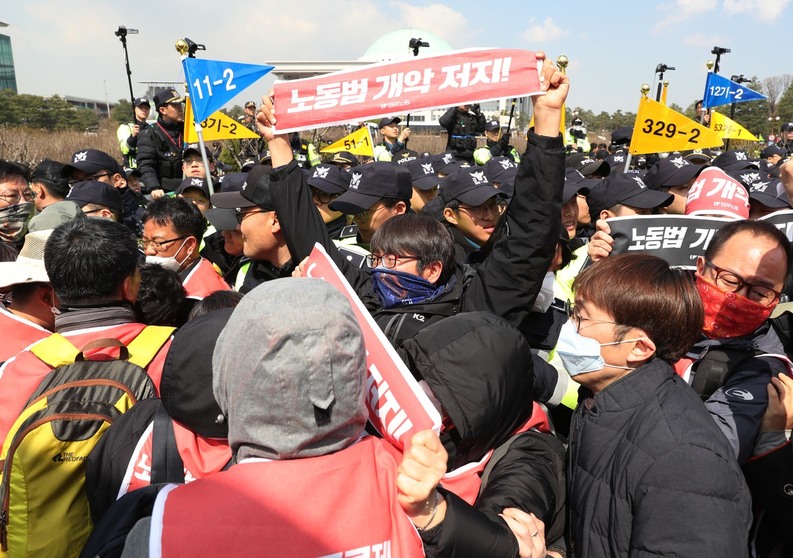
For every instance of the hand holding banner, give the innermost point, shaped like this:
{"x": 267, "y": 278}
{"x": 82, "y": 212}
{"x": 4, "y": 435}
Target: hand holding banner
{"x": 390, "y": 88}
{"x": 213, "y": 83}
{"x": 397, "y": 405}
{"x": 659, "y": 128}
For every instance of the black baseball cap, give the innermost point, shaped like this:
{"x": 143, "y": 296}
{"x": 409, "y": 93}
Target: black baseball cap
{"x": 491, "y": 125}
{"x": 586, "y": 165}
{"x": 254, "y": 191}
{"x": 92, "y": 161}
{"x": 141, "y": 101}
{"x": 372, "y": 182}
{"x": 423, "y": 174}
{"x": 671, "y": 172}
{"x": 622, "y": 136}
{"x": 331, "y": 179}
{"x": 770, "y": 193}
{"x": 627, "y": 189}
{"x": 344, "y": 158}
{"x": 96, "y": 192}
{"x": 193, "y": 182}
{"x": 386, "y": 121}
{"x": 165, "y": 96}
{"x": 734, "y": 159}
{"x": 772, "y": 150}
{"x": 501, "y": 170}
{"x": 444, "y": 163}
{"x": 575, "y": 183}
{"x": 699, "y": 156}
{"x": 196, "y": 148}
{"x": 468, "y": 185}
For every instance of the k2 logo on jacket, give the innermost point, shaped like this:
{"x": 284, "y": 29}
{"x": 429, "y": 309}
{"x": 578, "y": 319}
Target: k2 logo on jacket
{"x": 738, "y": 393}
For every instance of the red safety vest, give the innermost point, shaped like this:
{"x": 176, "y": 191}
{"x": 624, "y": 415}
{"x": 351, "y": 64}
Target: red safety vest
{"x": 465, "y": 481}
{"x": 201, "y": 457}
{"x": 17, "y": 334}
{"x": 204, "y": 280}
{"x": 338, "y": 505}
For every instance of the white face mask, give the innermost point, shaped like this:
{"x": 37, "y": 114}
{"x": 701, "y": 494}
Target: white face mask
{"x": 545, "y": 297}
{"x": 170, "y": 262}
{"x": 581, "y": 354}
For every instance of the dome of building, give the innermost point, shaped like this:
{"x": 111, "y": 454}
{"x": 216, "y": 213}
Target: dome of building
{"x": 395, "y": 45}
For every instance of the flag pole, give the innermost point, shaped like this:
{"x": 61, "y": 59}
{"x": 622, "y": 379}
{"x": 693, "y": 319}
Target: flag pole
{"x": 183, "y": 48}
{"x": 645, "y": 90}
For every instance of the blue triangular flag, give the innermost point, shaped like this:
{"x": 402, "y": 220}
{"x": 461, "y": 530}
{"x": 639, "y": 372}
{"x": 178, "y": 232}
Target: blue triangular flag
{"x": 213, "y": 83}
{"x": 721, "y": 91}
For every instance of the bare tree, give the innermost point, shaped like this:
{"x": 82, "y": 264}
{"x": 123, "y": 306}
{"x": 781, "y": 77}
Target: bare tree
{"x": 773, "y": 87}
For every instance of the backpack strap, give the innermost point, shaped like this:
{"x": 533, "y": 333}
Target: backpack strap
{"x": 166, "y": 463}
{"x": 498, "y": 453}
{"x": 147, "y": 344}
{"x": 55, "y": 350}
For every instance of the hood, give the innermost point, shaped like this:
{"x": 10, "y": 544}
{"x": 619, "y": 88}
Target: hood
{"x": 186, "y": 384}
{"x": 289, "y": 371}
{"x": 479, "y": 367}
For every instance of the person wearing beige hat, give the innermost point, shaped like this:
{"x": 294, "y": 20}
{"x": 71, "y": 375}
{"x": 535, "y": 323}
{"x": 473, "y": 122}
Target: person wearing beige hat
{"x": 26, "y": 314}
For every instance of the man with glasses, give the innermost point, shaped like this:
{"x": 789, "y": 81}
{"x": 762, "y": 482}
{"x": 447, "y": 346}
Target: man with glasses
{"x": 172, "y": 231}
{"x": 377, "y": 192}
{"x": 160, "y": 145}
{"x": 89, "y": 165}
{"x": 472, "y": 207}
{"x": 16, "y": 201}
{"x": 739, "y": 279}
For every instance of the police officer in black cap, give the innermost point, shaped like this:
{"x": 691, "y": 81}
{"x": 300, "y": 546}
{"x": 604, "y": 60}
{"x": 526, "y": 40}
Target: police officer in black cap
{"x": 463, "y": 124}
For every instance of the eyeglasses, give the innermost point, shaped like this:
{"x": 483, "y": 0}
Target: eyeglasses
{"x": 89, "y": 178}
{"x": 733, "y": 283}
{"x": 365, "y": 216}
{"x": 159, "y": 245}
{"x": 493, "y": 208}
{"x": 12, "y": 198}
{"x": 574, "y": 314}
{"x": 241, "y": 216}
{"x": 323, "y": 197}
{"x": 389, "y": 261}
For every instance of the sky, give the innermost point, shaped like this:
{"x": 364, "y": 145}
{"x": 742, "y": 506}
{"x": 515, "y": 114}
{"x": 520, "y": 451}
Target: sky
{"x": 69, "y": 48}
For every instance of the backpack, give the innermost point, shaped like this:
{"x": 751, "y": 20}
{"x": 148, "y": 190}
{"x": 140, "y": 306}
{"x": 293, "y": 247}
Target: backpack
{"x": 45, "y": 510}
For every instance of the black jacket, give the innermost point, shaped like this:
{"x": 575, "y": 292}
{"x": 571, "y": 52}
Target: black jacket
{"x": 160, "y": 156}
{"x": 650, "y": 474}
{"x": 480, "y": 369}
{"x": 462, "y": 128}
{"x": 505, "y": 283}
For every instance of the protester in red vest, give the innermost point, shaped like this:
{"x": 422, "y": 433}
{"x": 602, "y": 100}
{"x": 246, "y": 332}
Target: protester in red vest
{"x": 93, "y": 268}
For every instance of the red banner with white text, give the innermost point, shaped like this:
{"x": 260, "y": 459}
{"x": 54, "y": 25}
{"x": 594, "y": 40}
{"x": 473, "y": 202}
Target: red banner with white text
{"x": 391, "y": 88}
{"x": 397, "y": 406}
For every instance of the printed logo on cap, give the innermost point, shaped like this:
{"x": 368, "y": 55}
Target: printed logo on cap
{"x": 355, "y": 183}
{"x": 760, "y": 186}
{"x": 679, "y": 162}
{"x": 197, "y": 182}
{"x": 427, "y": 168}
{"x": 448, "y": 158}
{"x": 506, "y": 164}
{"x": 740, "y": 156}
{"x": 639, "y": 181}
{"x": 244, "y": 185}
{"x": 321, "y": 172}
{"x": 751, "y": 177}
{"x": 619, "y": 159}
{"x": 80, "y": 157}
{"x": 479, "y": 177}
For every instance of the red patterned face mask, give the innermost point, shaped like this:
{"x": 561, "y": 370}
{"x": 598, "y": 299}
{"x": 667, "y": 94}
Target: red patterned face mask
{"x": 728, "y": 314}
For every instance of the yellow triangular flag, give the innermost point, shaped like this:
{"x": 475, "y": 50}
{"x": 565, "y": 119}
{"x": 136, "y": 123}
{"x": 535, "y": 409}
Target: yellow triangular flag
{"x": 728, "y": 128}
{"x": 357, "y": 143}
{"x": 658, "y": 128}
{"x": 217, "y": 126}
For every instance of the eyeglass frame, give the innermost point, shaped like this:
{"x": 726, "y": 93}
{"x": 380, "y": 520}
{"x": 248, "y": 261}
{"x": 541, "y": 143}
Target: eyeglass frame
{"x": 158, "y": 245}
{"x": 373, "y": 260}
{"x": 240, "y": 215}
{"x": 741, "y": 284}
{"x": 321, "y": 197}
{"x": 28, "y": 195}
{"x": 89, "y": 178}
{"x": 574, "y": 315}
{"x": 487, "y": 207}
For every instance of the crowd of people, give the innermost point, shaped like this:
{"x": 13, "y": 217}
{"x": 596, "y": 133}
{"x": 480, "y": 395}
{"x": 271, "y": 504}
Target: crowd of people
{"x": 173, "y": 383}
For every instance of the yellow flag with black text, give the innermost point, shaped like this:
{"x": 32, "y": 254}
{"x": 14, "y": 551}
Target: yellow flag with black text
{"x": 216, "y": 127}
{"x": 728, "y": 128}
{"x": 357, "y": 143}
{"x": 659, "y": 128}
